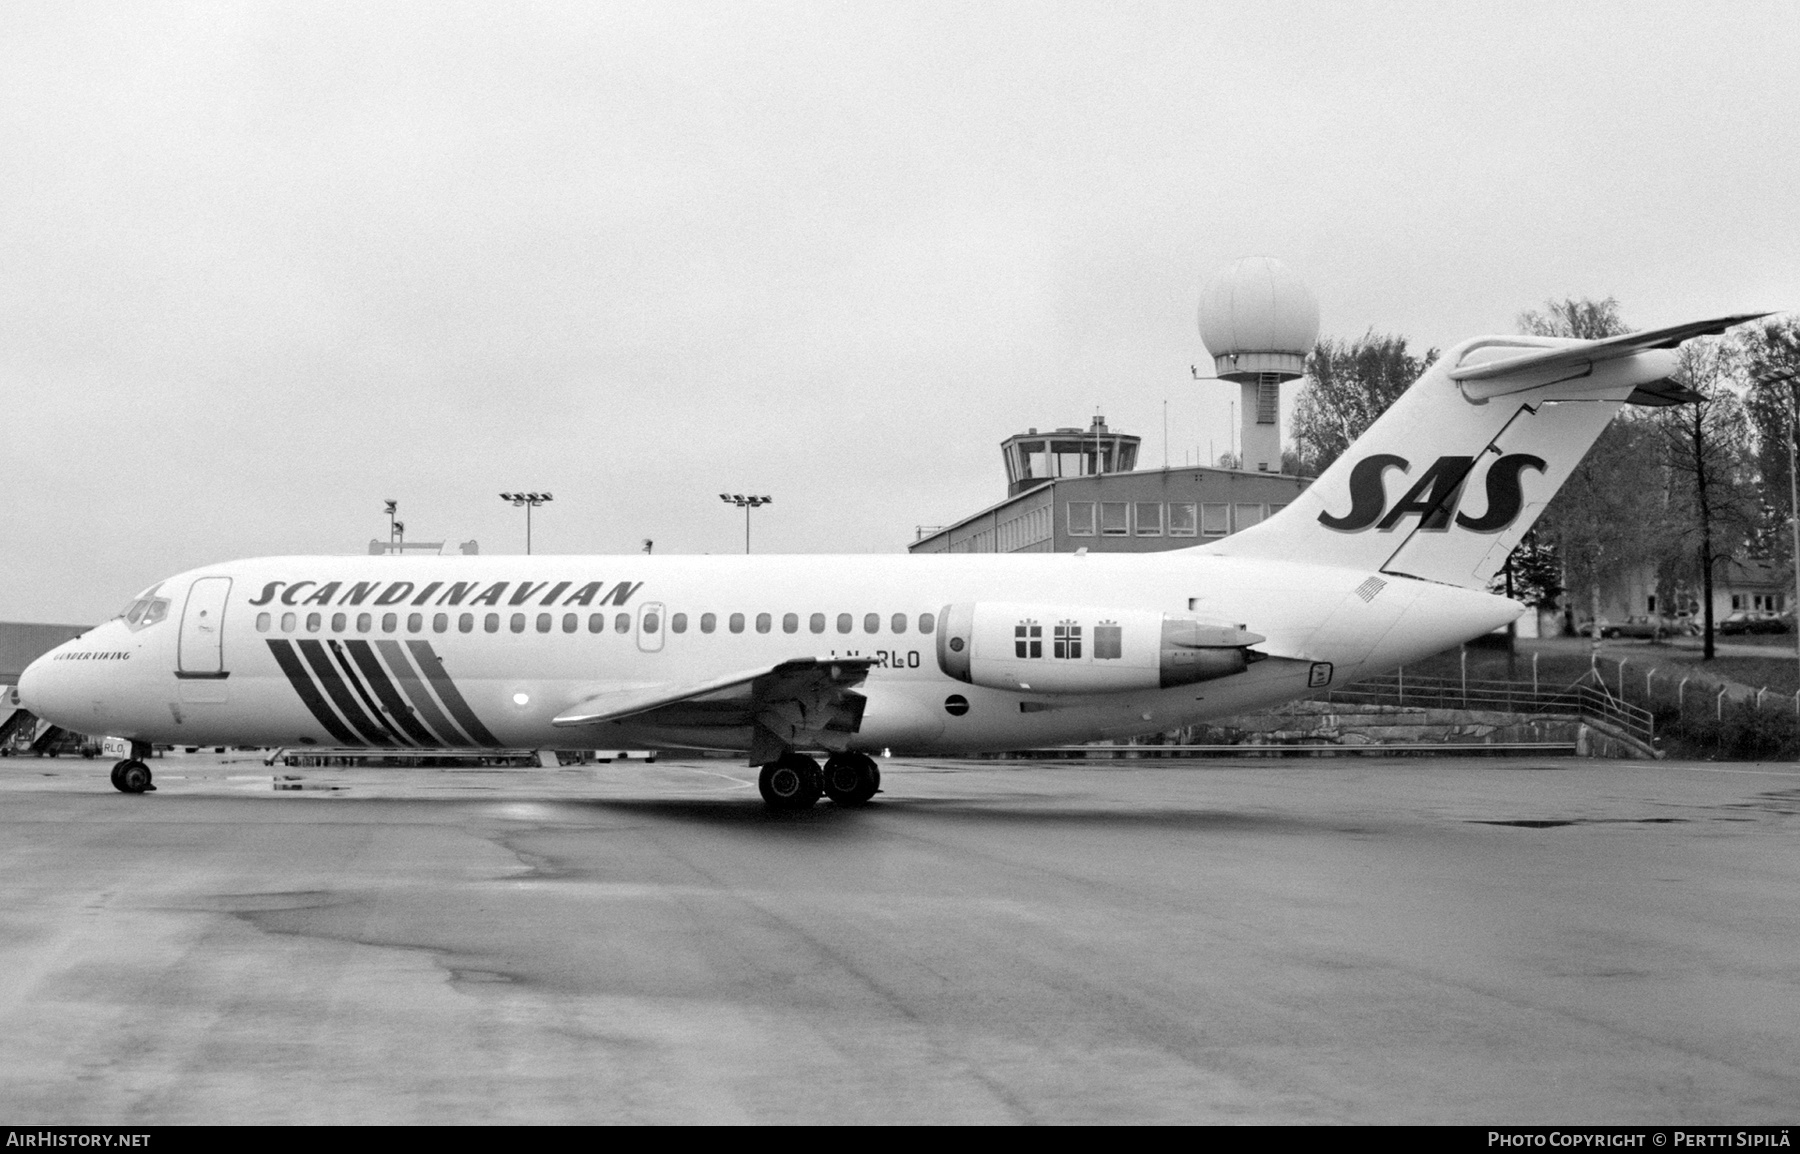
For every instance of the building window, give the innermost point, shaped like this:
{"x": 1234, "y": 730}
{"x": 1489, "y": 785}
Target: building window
{"x": 1108, "y": 641}
{"x": 1182, "y": 519}
{"x": 1149, "y": 519}
{"x": 1248, "y": 515}
{"x": 1115, "y": 519}
{"x": 1081, "y": 518}
{"x": 1067, "y": 642}
{"x": 1215, "y": 520}
{"x": 1268, "y": 402}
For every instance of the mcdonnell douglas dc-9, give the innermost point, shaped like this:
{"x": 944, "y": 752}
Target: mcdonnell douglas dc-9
{"x": 1385, "y": 559}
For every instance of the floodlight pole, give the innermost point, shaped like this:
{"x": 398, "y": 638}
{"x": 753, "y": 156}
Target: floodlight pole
{"x": 530, "y": 501}
{"x": 746, "y": 503}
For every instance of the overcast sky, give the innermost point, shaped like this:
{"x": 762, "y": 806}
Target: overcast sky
{"x": 265, "y": 265}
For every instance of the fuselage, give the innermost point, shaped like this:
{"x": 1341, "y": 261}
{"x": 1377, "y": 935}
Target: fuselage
{"x": 420, "y": 653}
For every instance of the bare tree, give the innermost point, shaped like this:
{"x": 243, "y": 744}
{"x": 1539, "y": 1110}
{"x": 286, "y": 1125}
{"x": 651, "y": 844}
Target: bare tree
{"x": 1596, "y": 521}
{"x": 1713, "y": 502}
{"x": 1350, "y": 383}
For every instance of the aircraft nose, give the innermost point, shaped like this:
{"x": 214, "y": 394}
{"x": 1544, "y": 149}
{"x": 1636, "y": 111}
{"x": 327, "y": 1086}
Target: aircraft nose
{"x": 43, "y": 688}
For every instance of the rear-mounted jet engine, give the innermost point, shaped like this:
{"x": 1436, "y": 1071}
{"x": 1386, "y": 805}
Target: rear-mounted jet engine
{"x": 1079, "y": 649}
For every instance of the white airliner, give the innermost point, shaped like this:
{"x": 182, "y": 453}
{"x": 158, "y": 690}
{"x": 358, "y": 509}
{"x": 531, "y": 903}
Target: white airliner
{"x": 1385, "y": 559}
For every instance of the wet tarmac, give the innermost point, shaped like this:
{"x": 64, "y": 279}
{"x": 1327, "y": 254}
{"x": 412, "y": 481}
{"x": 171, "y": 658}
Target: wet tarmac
{"x": 1410, "y": 940}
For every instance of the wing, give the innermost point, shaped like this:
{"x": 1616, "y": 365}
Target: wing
{"x": 799, "y": 702}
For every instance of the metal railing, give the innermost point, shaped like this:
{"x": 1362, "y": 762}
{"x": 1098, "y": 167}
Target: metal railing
{"x": 1587, "y": 698}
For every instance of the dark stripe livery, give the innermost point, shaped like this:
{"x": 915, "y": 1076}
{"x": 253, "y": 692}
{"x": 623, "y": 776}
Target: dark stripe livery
{"x": 446, "y": 689}
{"x": 378, "y": 692}
{"x": 296, "y": 675}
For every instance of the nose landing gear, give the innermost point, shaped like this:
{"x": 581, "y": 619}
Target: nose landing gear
{"x": 132, "y": 776}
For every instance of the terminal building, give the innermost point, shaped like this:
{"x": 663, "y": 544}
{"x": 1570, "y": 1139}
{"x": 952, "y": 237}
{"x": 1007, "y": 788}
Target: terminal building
{"x": 1071, "y": 488}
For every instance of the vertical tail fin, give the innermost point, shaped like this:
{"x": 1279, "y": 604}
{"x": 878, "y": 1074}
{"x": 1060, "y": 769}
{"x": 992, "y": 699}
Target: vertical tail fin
{"x": 1447, "y": 481}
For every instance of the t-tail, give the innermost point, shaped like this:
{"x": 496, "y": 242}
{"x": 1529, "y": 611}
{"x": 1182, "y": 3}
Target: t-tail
{"x": 1447, "y": 481}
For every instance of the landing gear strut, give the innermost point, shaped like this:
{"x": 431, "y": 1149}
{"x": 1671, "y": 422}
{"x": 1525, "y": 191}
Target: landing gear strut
{"x": 132, "y": 777}
{"x": 790, "y": 782}
{"x": 851, "y": 778}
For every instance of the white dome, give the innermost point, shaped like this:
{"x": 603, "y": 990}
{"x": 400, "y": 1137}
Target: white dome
{"x": 1257, "y": 305}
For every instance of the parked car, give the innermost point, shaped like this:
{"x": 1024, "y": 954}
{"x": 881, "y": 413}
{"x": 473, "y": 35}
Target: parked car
{"x": 1632, "y": 627}
{"x": 1744, "y": 621}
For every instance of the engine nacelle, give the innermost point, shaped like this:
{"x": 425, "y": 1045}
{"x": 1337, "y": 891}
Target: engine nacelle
{"x": 1079, "y": 649}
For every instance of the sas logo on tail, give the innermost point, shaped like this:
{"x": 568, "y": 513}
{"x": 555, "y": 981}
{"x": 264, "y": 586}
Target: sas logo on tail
{"x": 1434, "y": 496}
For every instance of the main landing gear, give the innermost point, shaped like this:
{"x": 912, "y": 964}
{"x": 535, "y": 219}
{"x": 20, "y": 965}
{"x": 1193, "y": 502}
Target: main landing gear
{"x": 794, "y": 781}
{"x": 132, "y": 776}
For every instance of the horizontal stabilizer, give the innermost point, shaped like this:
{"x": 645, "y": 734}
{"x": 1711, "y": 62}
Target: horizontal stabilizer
{"x": 1575, "y": 357}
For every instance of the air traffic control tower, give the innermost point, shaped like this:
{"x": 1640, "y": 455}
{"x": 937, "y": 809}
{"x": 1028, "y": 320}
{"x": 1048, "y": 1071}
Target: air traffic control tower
{"x": 1259, "y": 323}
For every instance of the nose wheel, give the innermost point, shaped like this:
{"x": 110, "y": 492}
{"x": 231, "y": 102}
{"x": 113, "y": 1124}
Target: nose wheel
{"x": 132, "y": 777}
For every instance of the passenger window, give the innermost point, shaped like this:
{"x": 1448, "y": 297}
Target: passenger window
{"x": 871, "y": 623}
{"x": 708, "y": 622}
{"x": 313, "y": 621}
{"x": 652, "y": 623}
{"x": 678, "y": 623}
{"x": 492, "y": 623}
{"x": 364, "y": 622}
{"x": 816, "y": 623}
{"x": 621, "y": 623}
{"x": 518, "y": 623}
{"x": 543, "y": 623}
{"x": 596, "y": 623}
{"x": 763, "y": 621}
{"x": 337, "y": 622}
{"x": 790, "y": 623}
{"x": 466, "y": 623}
{"x": 440, "y": 623}
{"x": 898, "y": 624}
{"x": 262, "y": 622}
{"x": 571, "y": 622}
{"x": 390, "y": 622}
{"x": 843, "y": 623}
{"x": 415, "y": 622}
{"x": 737, "y": 623}
{"x": 288, "y": 621}
{"x": 927, "y": 622}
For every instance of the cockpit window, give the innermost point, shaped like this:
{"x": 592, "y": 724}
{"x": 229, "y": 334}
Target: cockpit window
{"x": 145, "y": 611}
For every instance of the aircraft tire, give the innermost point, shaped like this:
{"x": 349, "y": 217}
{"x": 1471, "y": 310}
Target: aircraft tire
{"x": 115, "y": 775}
{"x": 851, "y": 778}
{"x": 790, "y": 782}
{"x": 133, "y": 777}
